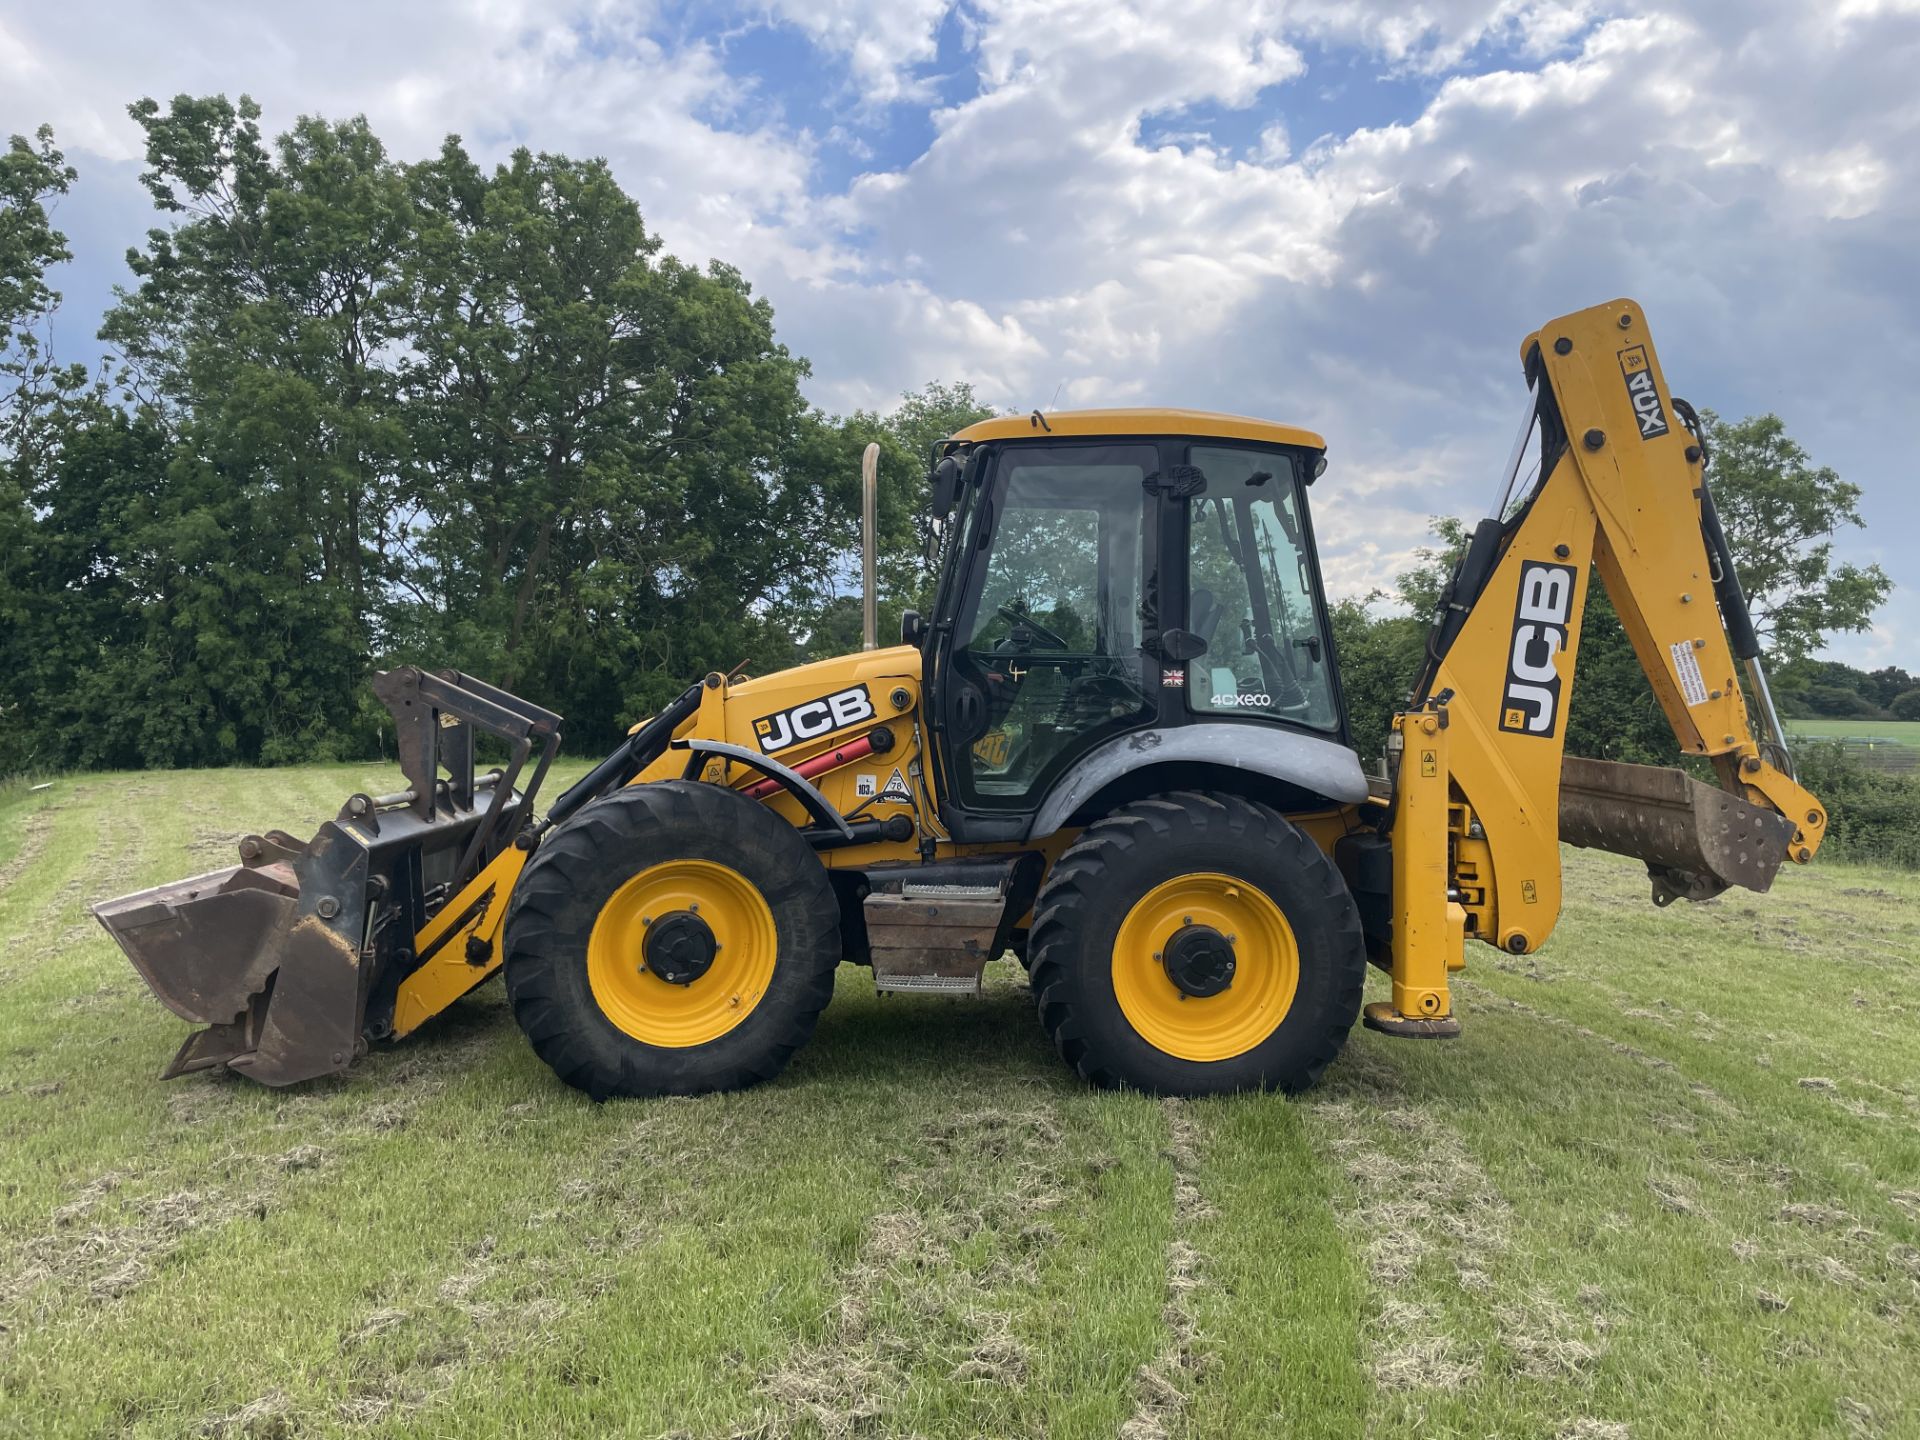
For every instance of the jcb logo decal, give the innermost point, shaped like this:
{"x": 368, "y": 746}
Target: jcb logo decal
{"x": 1531, "y": 705}
{"x": 992, "y": 748}
{"x": 812, "y": 720}
{"x": 1644, "y": 394}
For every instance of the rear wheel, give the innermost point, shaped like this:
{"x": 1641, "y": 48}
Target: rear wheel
{"x": 672, "y": 939}
{"x": 1193, "y": 944}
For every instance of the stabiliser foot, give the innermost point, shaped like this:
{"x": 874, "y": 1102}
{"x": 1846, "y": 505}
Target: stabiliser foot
{"x": 1383, "y": 1017}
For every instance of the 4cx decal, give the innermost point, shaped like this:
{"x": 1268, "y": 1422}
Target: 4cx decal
{"x": 815, "y": 718}
{"x": 1644, "y": 394}
{"x": 1541, "y": 612}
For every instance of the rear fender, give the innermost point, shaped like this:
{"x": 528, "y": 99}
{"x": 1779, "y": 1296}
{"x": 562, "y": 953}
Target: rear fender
{"x": 1321, "y": 770}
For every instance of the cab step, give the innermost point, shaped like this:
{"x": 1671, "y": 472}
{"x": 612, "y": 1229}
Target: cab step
{"x": 933, "y": 938}
{"x": 933, "y": 932}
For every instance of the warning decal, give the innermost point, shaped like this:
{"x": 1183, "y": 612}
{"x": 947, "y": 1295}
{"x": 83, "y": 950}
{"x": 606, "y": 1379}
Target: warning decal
{"x": 1692, "y": 686}
{"x": 896, "y": 791}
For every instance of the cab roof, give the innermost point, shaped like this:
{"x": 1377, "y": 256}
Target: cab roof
{"x": 1202, "y": 424}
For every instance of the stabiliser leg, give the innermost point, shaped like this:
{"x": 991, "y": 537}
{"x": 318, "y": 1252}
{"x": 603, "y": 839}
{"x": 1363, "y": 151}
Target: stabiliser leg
{"x": 1428, "y": 927}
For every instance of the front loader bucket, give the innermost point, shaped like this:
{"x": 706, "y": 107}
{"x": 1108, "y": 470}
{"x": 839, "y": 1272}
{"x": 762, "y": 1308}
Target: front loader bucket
{"x": 1696, "y": 840}
{"x": 292, "y": 958}
{"x": 278, "y": 988}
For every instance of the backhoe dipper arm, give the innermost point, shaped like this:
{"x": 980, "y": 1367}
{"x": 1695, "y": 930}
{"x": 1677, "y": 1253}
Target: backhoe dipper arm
{"x": 1479, "y": 798}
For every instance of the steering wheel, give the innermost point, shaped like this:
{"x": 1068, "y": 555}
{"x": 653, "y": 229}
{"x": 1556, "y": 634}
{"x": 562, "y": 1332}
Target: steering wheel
{"x": 1106, "y": 687}
{"x": 1040, "y": 632}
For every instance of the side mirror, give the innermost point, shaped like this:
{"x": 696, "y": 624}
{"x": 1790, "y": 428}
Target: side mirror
{"x": 944, "y": 488}
{"x": 912, "y": 630}
{"x": 1181, "y": 645}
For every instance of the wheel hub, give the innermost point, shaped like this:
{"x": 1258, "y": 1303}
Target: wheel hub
{"x": 679, "y": 948}
{"x": 1199, "y": 961}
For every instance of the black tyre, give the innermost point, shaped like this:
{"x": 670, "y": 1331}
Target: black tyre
{"x": 671, "y": 939}
{"x": 1194, "y": 944}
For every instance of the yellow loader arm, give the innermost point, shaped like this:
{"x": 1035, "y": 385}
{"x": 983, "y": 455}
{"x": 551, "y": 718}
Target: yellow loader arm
{"x": 1484, "y": 792}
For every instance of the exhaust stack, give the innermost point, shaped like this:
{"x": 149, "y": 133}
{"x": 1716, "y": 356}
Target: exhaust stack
{"x": 869, "y": 541}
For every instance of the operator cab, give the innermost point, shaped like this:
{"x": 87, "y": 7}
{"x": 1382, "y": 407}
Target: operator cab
{"x": 1110, "y": 572}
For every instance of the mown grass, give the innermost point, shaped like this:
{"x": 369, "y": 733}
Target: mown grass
{"x": 1667, "y": 1184}
{"x": 1892, "y": 732}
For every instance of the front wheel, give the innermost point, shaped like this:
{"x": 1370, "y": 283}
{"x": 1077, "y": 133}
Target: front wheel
{"x": 1193, "y": 944}
{"x": 673, "y": 938}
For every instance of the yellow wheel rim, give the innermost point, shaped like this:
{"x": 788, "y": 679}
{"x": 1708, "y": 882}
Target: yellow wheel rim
{"x": 1211, "y": 1027}
{"x": 653, "y": 1010}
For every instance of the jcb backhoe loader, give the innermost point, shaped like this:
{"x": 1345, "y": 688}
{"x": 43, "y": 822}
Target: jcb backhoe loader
{"x": 1117, "y": 747}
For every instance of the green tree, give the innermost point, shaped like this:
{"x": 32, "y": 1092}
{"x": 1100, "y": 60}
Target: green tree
{"x": 616, "y": 481}
{"x": 34, "y": 390}
{"x": 1379, "y": 656}
{"x": 1887, "y": 684}
{"x": 1780, "y": 512}
{"x": 260, "y": 340}
{"x": 33, "y": 174}
{"x": 374, "y": 412}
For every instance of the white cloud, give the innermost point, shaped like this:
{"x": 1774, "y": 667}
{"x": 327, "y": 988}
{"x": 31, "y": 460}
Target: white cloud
{"x": 1748, "y": 168}
{"x": 881, "y": 40}
{"x": 584, "y": 78}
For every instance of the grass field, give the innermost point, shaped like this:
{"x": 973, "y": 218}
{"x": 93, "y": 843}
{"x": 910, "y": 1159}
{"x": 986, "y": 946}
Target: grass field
{"x": 1667, "y": 1184}
{"x": 1898, "y": 732}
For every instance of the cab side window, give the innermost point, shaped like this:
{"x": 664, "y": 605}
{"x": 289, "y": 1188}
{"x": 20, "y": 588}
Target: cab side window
{"x": 1251, "y": 595}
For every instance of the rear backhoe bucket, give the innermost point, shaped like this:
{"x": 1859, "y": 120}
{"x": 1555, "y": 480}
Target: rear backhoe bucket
{"x": 1696, "y": 840}
{"x": 292, "y": 958}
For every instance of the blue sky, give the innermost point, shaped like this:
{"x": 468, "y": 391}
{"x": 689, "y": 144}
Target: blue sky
{"x": 1341, "y": 214}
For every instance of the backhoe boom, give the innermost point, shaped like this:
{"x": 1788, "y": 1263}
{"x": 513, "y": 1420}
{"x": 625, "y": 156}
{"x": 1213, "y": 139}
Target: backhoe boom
{"x": 1485, "y": 792}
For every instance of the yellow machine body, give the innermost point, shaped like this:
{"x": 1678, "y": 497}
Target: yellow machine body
{"x": 1460, "y": 841}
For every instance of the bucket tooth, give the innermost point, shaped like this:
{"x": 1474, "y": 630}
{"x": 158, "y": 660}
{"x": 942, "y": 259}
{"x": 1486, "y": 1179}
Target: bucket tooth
{"x": 218, "y": 1045}
{"x": 1696, "y": 840}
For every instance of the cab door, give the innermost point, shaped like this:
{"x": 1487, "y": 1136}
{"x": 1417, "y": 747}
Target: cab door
{"x": 1043, "y": 658}
{"x": 1253, "y": 592}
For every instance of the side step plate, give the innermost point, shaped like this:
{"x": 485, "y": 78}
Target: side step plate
{"x": 933, "y": 939}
